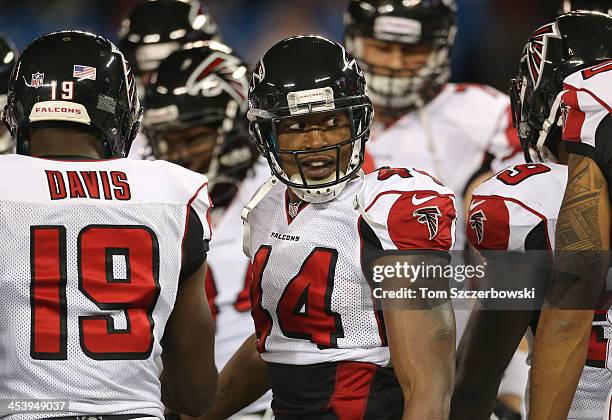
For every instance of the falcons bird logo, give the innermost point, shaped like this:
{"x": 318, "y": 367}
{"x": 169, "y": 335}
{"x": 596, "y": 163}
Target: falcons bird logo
{"x": 218, "y": 73}
{"x": 477, "y": 224}
{"x": 535, "y": 50}
{"x": 429, "y": 216}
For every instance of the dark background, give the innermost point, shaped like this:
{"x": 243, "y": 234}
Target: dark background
{"x": 491, "y": 32}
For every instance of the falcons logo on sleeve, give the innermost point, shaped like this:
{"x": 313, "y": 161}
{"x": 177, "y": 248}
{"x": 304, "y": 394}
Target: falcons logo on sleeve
{"x": 477, "y": 224}
{"x": 429, "y": 216}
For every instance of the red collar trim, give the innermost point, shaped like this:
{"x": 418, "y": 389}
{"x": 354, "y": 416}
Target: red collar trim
{"x": 302, "y": 206}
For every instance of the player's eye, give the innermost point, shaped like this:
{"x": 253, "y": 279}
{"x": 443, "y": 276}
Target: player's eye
{"x": 295, "y": 126}
{"x": 383, "y": 48}
{"x": 332, "y": 122}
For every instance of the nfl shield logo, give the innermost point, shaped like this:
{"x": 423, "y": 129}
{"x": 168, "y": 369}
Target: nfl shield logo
{"x": 37, "y": 79}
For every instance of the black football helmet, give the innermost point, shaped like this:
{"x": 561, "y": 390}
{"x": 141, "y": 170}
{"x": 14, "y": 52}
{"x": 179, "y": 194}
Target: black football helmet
{"x": 423, "y": 22}
{"x": 202, "y": 93}
{"x": 604, "y": 6}
{"x": 74, "y": 78}
{"x": 302, "y": 77}
{"x": 571, "y": 42}
{"x": 156, "y": 28}
{"x": 8, "y": 55}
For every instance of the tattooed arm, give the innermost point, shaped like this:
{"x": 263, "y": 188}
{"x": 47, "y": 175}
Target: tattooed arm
{"x": 243, "y": 379}
{"x": 560, "y": 347}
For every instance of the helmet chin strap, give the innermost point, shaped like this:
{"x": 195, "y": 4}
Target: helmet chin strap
{"x": 324, "y": 194}
{"x": 318, "y": 195}
{"x": 257, "y": 197}
{"x": 358, "y": 205}
{"x": 553, "y": 119}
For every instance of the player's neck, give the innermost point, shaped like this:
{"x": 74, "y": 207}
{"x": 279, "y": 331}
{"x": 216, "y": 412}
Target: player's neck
{"x": 64, "y": 142}
{"x": 563, "y": 154}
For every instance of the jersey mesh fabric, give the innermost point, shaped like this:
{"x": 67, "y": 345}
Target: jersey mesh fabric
{"x": 335, "y": 225}
{"x": 90, "y": 386}
{"x": 331, "y": 225}
{"x": 591, "y": 397}
{"x": 106, "y": 386}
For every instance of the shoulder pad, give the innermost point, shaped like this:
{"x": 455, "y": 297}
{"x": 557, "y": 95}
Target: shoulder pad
{"x": 408, "y": 209}
{"x": 507, "y": 207}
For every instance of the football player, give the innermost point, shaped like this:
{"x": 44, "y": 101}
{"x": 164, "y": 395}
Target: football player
{"x": 196, "y": 117}
{"x": 450, "y": 130}
{"x": 582, "y": 240}
{"x": 326, "y": 350}
{"x": 152, "y": 31}
{"x": 516, "y": 211}
{"x": 447, "y": 129}
{"x": 8, "y": 55}
{"x": 104, "y": 259}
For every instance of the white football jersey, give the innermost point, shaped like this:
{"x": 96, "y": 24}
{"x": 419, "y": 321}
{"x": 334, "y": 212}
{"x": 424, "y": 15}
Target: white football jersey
{"x": 586, "y": 105}
{"x": 308, "y": 286}
{"x": 506, "y": 208}
{"x": 450, "y": 138}
{"x": 91, "y": 257}
{"x": 229, "y": 275}
{"x": 516, "y": 210}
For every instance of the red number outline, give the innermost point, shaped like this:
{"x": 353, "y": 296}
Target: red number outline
{"x": 53, "y": 311}
{"x": 211, "y": 293}
{"x": 523, "y": 171}
{"x": 53, "y": 273}
{"x": 261, "y": 317}
{"x": 287, "y": 309}
{"x": 132, "y": 314}
{"x": 596, "y": 69}
{"x": 386, "y": 172}
{"x": 242, "y": 302}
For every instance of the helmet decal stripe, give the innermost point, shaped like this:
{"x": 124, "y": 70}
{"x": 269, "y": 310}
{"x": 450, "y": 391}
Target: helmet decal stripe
{"x": 536, "y": 49}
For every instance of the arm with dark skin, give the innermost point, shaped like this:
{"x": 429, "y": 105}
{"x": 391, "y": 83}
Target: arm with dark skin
{"x": 242, "y": 381}
{"x": 491, "y": 337}
{"x": 189, "y": 378}
{"x": 487, "y": 346}
{"x": 561, "y": 342}
{"x": 427, "y": 328}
